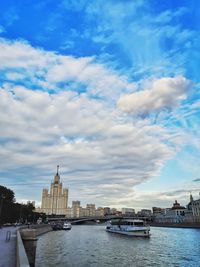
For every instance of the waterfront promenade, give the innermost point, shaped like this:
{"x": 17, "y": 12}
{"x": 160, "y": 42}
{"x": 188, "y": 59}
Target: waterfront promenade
{"x": 8, "y": 246}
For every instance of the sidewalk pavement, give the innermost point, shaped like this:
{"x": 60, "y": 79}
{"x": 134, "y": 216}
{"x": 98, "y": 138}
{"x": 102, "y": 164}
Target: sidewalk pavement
{"x": 8, "y": 246}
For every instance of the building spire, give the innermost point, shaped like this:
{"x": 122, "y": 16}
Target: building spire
{"x": 191, "y": 197}
{"x": 57, "y": 176}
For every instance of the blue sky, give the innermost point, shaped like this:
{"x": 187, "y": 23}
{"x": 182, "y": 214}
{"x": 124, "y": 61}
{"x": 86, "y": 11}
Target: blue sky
{"x": 109, "y": 90}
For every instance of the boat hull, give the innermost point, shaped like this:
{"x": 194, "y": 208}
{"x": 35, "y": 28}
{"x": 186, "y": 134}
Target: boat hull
{"x": 67, "y": 228}
{"x": 130, "y": 233}
{"x": 56, "y": 227}
{"x": 130, "y": 227}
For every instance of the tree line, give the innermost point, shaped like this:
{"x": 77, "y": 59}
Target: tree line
{"x": 13, "y": 212}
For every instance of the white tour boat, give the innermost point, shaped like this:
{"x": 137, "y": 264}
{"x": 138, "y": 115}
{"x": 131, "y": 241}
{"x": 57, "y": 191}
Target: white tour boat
{"x": 67, "y": 226}
{"x": 131, "y": 227}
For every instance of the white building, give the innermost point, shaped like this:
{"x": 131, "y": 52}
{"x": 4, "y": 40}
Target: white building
{"x": 176, "y": 214}
{"x": 76, "y": 211}
{"x": 100, "y": 212}
{"x": 92, "y": 210}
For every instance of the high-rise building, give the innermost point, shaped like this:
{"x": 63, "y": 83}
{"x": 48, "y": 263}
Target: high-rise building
{"x": 55, "y": 201}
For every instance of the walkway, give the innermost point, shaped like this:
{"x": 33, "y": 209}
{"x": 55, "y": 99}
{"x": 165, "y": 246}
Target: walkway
{"x": 8, "y": 247}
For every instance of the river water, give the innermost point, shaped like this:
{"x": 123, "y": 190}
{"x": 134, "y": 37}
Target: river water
{"x": 92, "y": 246}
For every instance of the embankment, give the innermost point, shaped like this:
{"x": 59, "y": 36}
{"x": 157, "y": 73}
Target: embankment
{"x": 27, "y": 242}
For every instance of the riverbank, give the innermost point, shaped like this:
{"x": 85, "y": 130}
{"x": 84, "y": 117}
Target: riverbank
{"x": 176, "y": 225}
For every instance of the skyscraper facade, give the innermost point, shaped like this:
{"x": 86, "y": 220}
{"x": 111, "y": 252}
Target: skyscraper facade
{"x": 55, "y": 201}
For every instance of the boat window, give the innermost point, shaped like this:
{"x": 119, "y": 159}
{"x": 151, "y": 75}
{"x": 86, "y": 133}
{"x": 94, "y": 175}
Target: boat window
{"x": 115, "y": 222}
{"x": 138, "y": 223}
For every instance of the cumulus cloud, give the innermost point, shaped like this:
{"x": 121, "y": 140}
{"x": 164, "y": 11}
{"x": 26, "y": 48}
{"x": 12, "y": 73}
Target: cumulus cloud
{"x": 47, "y": 70}
{"x": 164, "y": 93}
{"x": 40, "y": 130}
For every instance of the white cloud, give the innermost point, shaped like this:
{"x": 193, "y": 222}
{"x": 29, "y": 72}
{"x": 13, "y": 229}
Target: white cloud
{"x": 164, "y": 93}
{"x": 47, "y": 69}
{"x": 19, "y": 54}
{"x": 40, "y": 130}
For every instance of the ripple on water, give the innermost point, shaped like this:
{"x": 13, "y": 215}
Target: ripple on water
{"x": 87, "y": 246}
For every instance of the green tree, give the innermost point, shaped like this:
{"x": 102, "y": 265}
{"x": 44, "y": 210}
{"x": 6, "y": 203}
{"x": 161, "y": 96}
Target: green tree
{"x": 7, "y": 194}
{"x": 11, "y": 212}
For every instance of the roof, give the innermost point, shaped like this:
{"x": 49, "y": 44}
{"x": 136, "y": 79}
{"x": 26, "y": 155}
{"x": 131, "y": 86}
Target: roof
{"x": 178, "y": 208}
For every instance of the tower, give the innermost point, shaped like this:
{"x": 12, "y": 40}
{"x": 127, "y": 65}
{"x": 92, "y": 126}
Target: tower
{"x": 57, "y": 176}
{"x": 55, "y": 201}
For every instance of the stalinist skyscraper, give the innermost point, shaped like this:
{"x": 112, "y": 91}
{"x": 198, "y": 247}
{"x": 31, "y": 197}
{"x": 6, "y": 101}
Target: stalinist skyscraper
{"x": 55, "y": 201}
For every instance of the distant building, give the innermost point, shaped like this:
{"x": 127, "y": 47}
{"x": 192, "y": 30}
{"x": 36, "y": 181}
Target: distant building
{"x": 100, "y": 212}
{"x": 113, "y": 211}
{"x": 107, "y": 211}
{"x": 176, "y": 214}
{"x": 177, "y": 209}
{"x": 189, "y": 218}
{"x": 196, "y": 209}
{"x": 76, "y": 211}
{"x": 85, "y": 212}
{"x": 128, "y": 212}
{"x": 158, "y": 211}
{"x": 92, "y": 210}
{"x": 69, "y": 213}
{"x": 145, "y": 213}
{"x": 55, "y": 201}
{"x": 76, "y": 207}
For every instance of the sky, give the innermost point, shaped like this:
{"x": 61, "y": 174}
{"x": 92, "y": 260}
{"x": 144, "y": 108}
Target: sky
{"x": 106, "y": 89}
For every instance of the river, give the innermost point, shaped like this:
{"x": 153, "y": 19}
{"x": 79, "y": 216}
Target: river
{"x": 92, "y": 246}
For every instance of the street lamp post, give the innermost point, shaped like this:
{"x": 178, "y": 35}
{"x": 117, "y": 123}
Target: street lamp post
{"x": 20, "y": 214}
{"x": 1, "y": 206}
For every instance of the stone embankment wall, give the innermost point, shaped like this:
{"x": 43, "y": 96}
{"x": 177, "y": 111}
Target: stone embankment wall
{"x": 26, "y": 249}
{"x": 42, "y": 229}
{"x": 21, "y": 256}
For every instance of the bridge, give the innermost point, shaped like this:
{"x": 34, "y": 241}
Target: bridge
{"x": 97, "y": 219}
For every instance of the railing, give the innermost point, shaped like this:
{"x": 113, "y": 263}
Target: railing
{"x": 22, "y": 259}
